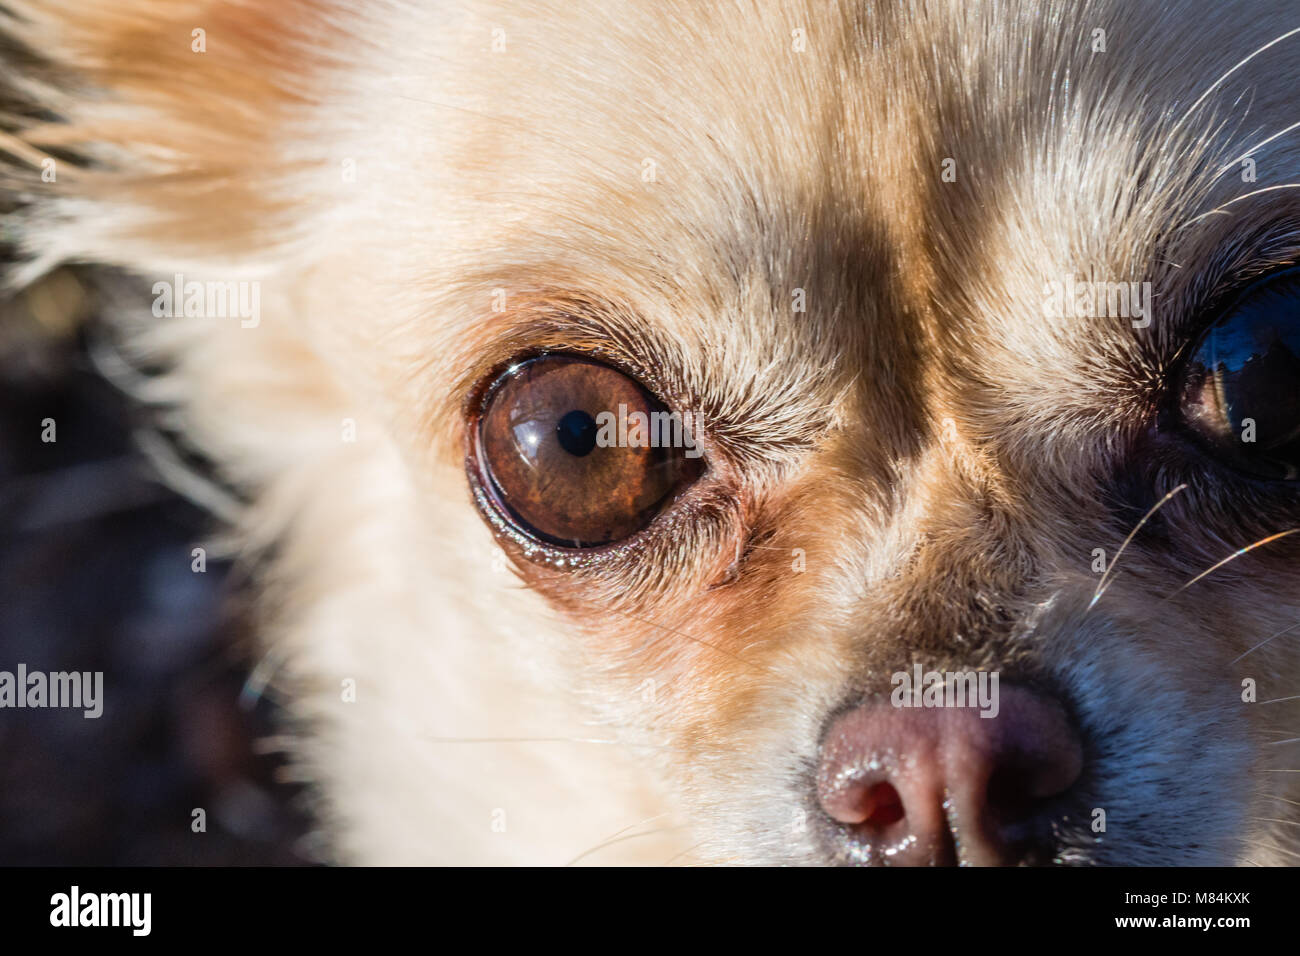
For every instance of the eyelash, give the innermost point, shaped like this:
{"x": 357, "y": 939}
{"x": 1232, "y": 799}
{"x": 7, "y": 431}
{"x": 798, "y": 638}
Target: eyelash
{"x": 1203, "y": 306}
{"x": 1255, "y": 259}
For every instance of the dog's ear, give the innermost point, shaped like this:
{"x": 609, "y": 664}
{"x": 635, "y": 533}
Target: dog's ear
{"x": 163, "y": 125}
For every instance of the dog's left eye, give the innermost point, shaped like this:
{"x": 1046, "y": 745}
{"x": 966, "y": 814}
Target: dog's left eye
{"x": 576, "y": 454}
{"x": 1240, "y": 392}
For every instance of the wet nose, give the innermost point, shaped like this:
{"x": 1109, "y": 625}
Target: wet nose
{"x": 945, "y": 786}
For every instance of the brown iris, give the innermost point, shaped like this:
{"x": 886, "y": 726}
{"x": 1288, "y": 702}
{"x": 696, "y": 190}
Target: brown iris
{"x": 562, "y": 448}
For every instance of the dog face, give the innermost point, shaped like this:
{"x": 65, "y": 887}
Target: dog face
{"x": 967, "y": 306}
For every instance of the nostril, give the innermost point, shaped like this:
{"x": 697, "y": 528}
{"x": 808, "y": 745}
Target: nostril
{"x": 1035, "y": 753}
{"x": 865, "y": 803}
{"x": 884, "y": 805}
{"x": 932, "y": 786}
{"x": 1010, "y": 794}
{"x": 1033, "y": 763}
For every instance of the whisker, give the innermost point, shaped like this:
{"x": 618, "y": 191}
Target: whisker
{"x": 541, "y": 740}
{"x": 1294, "y": 823}
{"x": 1278, "y": 700}
{"x": 1258, "y": 146}
{"x": 619, "y": 839}
{"x": 711, "y": 863}
{"x": 1232, "y": 557}
{"x": 1265, "y": 846}
{"x": 1265, "y": 641}
{"x": 689, "y": 849}
{"x": 1217, "y": 83}
{"x": 618, "y": 833}
{"x": 1102, "y": 584}
{"x": 672, "y": 630}
{"x": 1253, "y": 192}
{"x": 1276, "y": 743}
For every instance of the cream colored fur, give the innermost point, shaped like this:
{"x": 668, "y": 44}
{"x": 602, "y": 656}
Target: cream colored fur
{"x": 938, "y": 451}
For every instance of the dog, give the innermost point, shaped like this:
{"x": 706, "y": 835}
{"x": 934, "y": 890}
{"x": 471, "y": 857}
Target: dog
{"x": 638, "y": 419}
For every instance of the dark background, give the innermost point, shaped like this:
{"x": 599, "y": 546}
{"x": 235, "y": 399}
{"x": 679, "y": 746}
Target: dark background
{"x": 95, "y": 574}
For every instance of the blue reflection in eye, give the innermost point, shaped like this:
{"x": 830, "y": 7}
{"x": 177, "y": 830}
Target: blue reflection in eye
{"x": 1241, "y": 388}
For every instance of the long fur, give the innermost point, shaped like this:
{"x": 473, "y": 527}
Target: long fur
{"x": 944, "y": 457}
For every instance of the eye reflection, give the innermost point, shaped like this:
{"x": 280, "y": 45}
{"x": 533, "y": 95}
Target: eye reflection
{"x": 528, "y": 439}
{"x": 1241, "y": 389}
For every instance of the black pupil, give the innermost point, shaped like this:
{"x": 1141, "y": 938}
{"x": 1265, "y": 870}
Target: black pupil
{"x": 577, "y": 433}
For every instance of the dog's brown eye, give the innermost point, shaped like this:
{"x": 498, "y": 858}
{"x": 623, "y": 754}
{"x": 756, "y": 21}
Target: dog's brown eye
{"x": 1240, "y": 391}
{"x": 577, "y": 454}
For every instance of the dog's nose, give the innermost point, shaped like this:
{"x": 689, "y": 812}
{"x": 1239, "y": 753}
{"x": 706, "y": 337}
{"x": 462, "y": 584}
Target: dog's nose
{"x": 943, "y": 785}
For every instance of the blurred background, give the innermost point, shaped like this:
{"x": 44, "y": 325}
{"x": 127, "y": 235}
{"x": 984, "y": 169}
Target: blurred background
{"x": 95, "y": 574}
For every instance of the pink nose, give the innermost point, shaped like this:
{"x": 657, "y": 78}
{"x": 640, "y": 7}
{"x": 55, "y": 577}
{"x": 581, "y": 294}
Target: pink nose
{"x": 943, "y": 786}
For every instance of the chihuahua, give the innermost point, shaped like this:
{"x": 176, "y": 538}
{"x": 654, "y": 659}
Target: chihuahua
{"x": 764, "y": 432}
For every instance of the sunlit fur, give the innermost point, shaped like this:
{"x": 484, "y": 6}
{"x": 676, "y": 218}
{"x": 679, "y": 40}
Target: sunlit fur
{"x": 939, "y": 458}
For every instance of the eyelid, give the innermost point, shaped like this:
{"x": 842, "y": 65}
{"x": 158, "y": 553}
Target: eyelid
{"x": 479, "y": 386}
{"x": 1230, "y": 301}
{"x": 1235, "y": 264}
